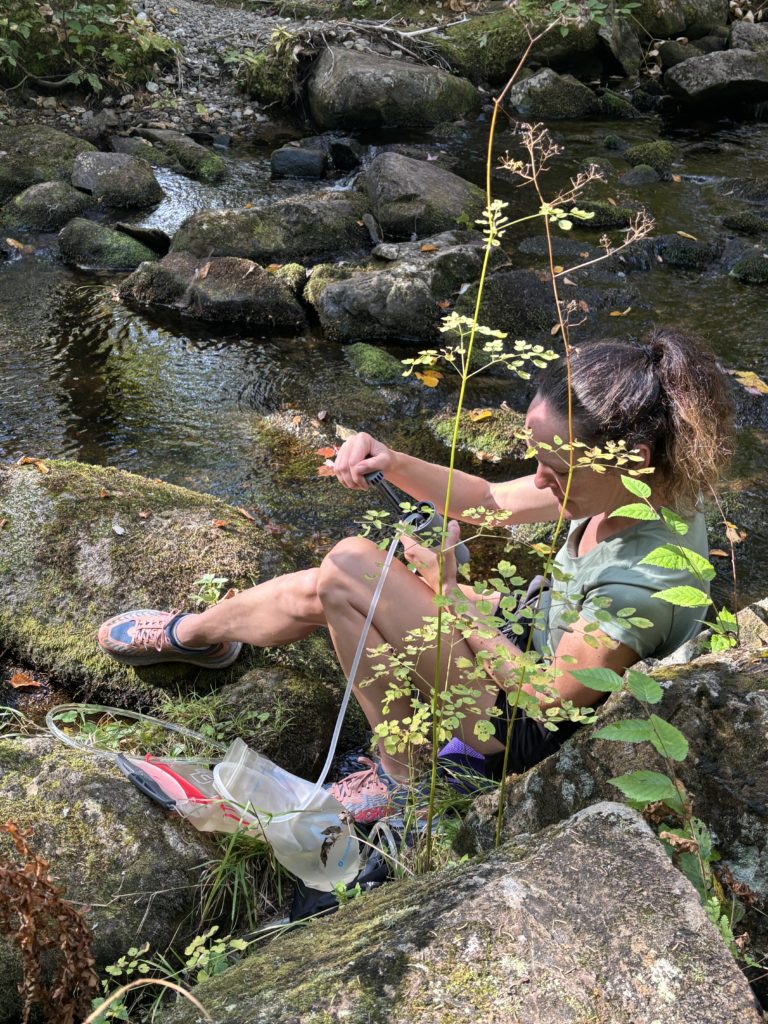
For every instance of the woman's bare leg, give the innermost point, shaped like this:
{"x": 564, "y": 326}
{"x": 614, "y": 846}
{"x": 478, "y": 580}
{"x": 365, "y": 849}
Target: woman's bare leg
{"x": 278, "y": 611}
{"x": 348, "y": 576}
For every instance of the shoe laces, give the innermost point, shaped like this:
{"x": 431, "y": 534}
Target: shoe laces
{"x": 149, "y": 631}
{"x": 353, "y": 784}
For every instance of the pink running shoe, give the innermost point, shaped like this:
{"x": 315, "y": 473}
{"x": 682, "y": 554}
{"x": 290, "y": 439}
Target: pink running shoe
{"x": 146, "y": 637}
{"x": 370, "y": 794}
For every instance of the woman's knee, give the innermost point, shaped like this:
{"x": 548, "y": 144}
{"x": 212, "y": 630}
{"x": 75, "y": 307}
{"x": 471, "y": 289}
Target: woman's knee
{"x": 348, "y": 567}
{"x": 302, "y": 588}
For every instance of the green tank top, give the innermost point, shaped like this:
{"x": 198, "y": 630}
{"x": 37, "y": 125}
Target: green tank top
{"x": 612, "y": 570}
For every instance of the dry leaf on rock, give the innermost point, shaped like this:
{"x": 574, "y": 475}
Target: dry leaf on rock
{"x": 20, "y": 680}
{"x": 476, "y": 415}
{"x": 40, "y": 466}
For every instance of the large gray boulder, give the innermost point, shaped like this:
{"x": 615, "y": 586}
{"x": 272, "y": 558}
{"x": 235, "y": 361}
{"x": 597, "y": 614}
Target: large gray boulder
{"x": 92, "y": 246}
{"x": 312, "y": 227}
{"x": 551, "y": 97}
{"x": 353, "y": 90}
{"x": 44, "y": 207}
{"x": 745, "y": 35}
{"x": 184, "y": 154}
{"x": 415, "y": 197}
{"x": 721, "y": 76}
{"x": 35, "y": 153}
{"x": 668, "y": 19}
{"x": 395, "y": 296}
{"x": 587, "y": 921}
{"x": 118, "y": 179}
{"x": 130, "y": 868}
{"x": 224, "y": 289}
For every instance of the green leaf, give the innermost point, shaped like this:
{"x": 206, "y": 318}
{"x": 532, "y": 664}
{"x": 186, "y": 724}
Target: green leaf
{"x": 627, "y": 730}
{"x": 684, "y": 597}
{"x": 637, "y": 487}
{"x": 640, "y": 623}
{"x": 603, "y": 679}
{"x": 635, "y": 511}
{"x": 643, "y": 687}
{"x": 646, "y": 787}
{"x": 674, "y": 521}
{"x": 668, "y": 739}
{"x": 673, "y": 556}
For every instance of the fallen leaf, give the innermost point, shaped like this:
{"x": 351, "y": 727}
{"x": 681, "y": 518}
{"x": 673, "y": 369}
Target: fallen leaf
{"x": 567, "y": 280}
{"x": 734, "y": 534}
{"x": 203, "y": 272}
{"x": 219, "y": 523}
{"x": 20, "y": 679}
{"x": 326, "y": 453}
{"x": 622, "y": 312}
{"x": 612, "y": 201}
{"x": 555, "y": 330}
{"x": 325, "y": 470}
{"x": 584, "y": 255}
{"x": 659, "y": 259}
{"x": 718, "y": 553}
{"x": 430, "y": 378}
{"x": 558, "y": 269}
{"x": 144, "y": 514}
{"x": 476, "y": 415}
{"x": 444, "y": 304}
{"x": 344, "y": 433}
{"x": 487, "y": 457}
{"x": 682, "y": 843}
{"x": 40, "y": 466}
{"x": 119, "y": 530}
{"x": 676, "y": 178}
{"x": 296, "y": 420}
{"x": 246, "y": 514}
{"x": 749, "y": 380}
{"x": 248, "y": 206}
{"x": 3, "y": 523}
{"x": 103, "y": 493}
{"x": 684, "y": 234}
{"x": 26, "y": 249}
{"x": 272, "y": 267}
{"x": 427, "y": 247}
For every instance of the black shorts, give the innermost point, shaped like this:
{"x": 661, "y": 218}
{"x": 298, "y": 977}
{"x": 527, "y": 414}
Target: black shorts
{"x": 530, "y": 741}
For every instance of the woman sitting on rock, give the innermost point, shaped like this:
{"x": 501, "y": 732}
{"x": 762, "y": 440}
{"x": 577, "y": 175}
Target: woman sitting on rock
{"x": 667, "y": 400}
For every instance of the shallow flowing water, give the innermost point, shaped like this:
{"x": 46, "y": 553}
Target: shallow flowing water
{"x": 85, "y": 377}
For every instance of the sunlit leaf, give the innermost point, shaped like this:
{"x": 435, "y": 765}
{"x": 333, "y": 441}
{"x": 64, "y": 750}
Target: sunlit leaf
{"x": 246, "y": 514}
{"x": 27, "y": 460}
{"x": 734, "y": 534}
{"x": 603, "y": 679}
{"x": 673, "y": 556}
{"x": 667, "y": 739}
{"x": 643, "y": 687}
{"x": 749, "y": 380}
{"x": 646, "y": 787}
{"x": 635, "y": 511}
{"x": 636, "y": 487}
{"x": 684, "y": 597}
{"x": 430, "y": 378}
{"x": 684, "y": 234}
{"x": 22, "y": 680}
{"x": 476, "y": 415}
{"x": 718, "y": 553}
{"x": 626, "y": 730}
{"x": 326, "y": 453}
{"x": 428, "y": 247}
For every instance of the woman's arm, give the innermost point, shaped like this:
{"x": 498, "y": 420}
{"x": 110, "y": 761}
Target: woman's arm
{"x": 363, "y": 454}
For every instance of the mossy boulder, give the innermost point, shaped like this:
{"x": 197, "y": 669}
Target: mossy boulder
{"x": 752, "y": 268}
{"x": 305, "y": 227}
{"x": 410, "y": 197}
{"x": 667, "y": 19}
{"x": 185, "y": 154}
{"x": 615, "y": 142}
{"x": 617, "y": 107}
{"x": 490, "y": 435}
{"x": 461, "y": 942}
{"x": 93, "y": 246}
{"x": 130, "y": 868}
{"x": 549, "y": 96}
{"x": 82, "y": 543}
{"x": 687, "y": 253}
{"x": 659, "y": 154}
{"x": 515, "y": 301}
{"x": 745, "y": 222}
{"x": 352, "y": 90}
{"x": 224, "y": 289}
{"x": 721, "y": 77}
{"x": 35, "y": 153}
{"x": 117, "y": 179}
{"x": 293, "y": 276}
{"x": 642, "y": 174}
{"x": 44, "y": 207}
{"x": 374, "y": 364}
{"x": 606, "y": 215}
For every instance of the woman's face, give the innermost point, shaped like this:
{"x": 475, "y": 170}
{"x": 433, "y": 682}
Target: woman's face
{"x": 590, "y": 493}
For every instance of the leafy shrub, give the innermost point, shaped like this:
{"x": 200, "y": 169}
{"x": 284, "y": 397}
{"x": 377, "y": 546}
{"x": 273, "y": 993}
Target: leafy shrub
{"x": 78, "y": 42}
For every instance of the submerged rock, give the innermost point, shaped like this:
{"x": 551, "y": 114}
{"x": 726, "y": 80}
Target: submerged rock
{"x": 374, "y": 364}
{"x": 641, "y": 174}
{"x": 353, "y": 90}
{"x": 659, "y": 155}
{"x": 298, "y": 162}
{"x": 511, "y": 938}
{"x": 185, "y": 154}
{"x": 34, "y": 154}
{"x": 117, "y": 179}
{"x": 44, "y": 207}
{"x": 93, "y": 246}
{"x": 746, "y": 222}
{"x": 688, "y": 253}
{"x": 551, "y": 96}
{"x": 224, "y": 289}
{"x": 415, "y": 197}
{"x": 492, "y": 438}
{"x": 752, "y": 268}
{"x": 515, "y": 301}
{"x": 720, "y": 77}
{"x": 129, "y": 867}
{"x": 305, "y": 227}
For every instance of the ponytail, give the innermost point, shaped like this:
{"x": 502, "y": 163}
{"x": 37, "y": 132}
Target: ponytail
{"x": 669, "y": 394}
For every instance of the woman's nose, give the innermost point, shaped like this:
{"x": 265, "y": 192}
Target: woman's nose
{"x": 542, "y": 478}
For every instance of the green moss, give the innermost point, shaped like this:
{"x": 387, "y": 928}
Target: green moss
{"x": 323, "y": 274}
{"x": 615, "y": 142}
{"x": 688, "y": 253}
{"x": 494, "y": 437}
{"x": 615, "y": 106}
{"x": 606, "y": 215}
{"x": 35, "y": 154}
{"x": 751, "y": 269}
{"x": 659, "y": 155}
{"x": 212, "y": 168}
{"x": 374, "y": 364}
{"x": 293, "y": 275}
{"x": 746, "y": 222}
{"x": 271, "y": 76}
{"x": 95, "y": 246}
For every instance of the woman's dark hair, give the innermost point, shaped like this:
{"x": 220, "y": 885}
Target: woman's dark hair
{"x": 669, "y": 394}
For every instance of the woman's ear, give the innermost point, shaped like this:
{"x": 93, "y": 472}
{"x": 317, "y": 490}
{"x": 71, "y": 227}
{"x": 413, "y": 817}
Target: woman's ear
{"x": 644, "y": 450}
